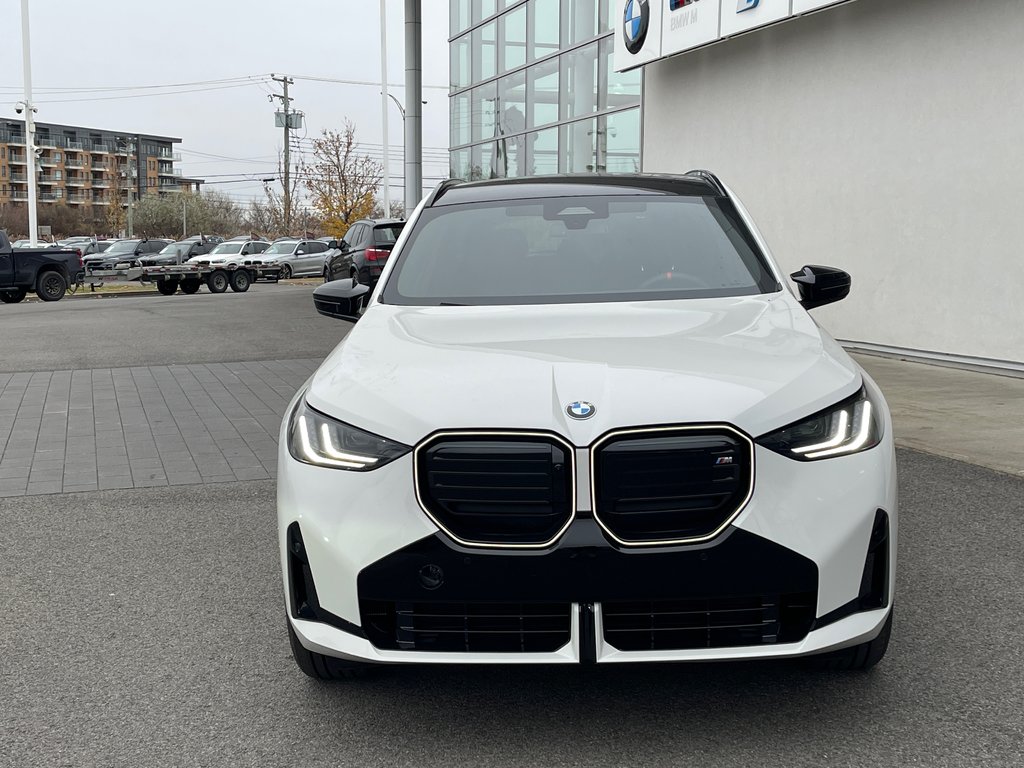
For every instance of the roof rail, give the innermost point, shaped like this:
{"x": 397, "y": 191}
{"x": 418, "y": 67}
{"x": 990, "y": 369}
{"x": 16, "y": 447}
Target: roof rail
{"x": 711, "y": 179}
{"x": 440, "y": 189}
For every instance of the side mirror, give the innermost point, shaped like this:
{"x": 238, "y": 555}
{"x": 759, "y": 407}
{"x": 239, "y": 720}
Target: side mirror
{"x": 821, "y": 285}
{"x": 300, "y": 252}
{"x": 340, "y": 299}
{"x": 333, "y": 244}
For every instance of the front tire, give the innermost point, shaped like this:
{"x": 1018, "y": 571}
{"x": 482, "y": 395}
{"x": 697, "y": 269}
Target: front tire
{"x": 320, "y": 667}
{"x": 858, "y": 657}
{"x": 13, "y": 297}
{"x": 51, "y": 286}
{"x": 286, "y": 272}
{"x": 190, "y": 285}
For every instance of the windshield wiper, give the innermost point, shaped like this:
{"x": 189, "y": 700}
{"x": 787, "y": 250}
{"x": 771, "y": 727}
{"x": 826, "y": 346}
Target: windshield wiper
{"x": 451, "y": 304}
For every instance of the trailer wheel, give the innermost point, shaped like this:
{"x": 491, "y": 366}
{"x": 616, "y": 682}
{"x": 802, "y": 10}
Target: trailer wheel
{"x": 217, "y": 282}
{"x": 190, "y": 285}
{"x": 51, "y": 286}
{"x": 13, "y": 296}
{"x": 167, "y": 287}
{"x": 240, "y": 280}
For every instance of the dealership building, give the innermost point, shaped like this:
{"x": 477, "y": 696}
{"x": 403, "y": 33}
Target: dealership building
{"x": 880, "y": 136}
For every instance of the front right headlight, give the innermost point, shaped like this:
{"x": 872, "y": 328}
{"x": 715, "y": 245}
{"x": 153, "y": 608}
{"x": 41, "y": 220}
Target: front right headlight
{"x": 316, "y": 439}
{"x": 851, "y": 426}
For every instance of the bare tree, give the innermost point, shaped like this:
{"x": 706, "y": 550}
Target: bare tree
{"x": 342, "y": 182}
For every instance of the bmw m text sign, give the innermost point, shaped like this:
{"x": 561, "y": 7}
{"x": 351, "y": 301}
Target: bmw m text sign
{"x": 690, "y": 24}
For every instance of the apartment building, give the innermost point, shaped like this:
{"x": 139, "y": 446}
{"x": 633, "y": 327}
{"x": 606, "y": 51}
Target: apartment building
{"x": 87, "y": 167}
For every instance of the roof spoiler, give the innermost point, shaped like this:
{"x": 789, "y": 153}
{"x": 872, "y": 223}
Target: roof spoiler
{"x": 711, "y": 179}
{"x": 438, "y": 192}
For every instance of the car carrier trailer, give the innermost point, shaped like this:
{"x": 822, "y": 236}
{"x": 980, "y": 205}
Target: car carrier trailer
{"x": 190, "y": 277}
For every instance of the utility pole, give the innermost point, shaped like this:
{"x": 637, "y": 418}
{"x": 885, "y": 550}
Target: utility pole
{"x": 285, "y": 81}
{"x": 184, "y": 216}
{"x": 384, "y": 105}
{"x": 30, "y": 127}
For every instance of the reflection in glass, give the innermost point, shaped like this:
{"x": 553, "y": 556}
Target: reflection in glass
{"x": 542, "y": 152}
{"x": 460, "y": 70}
{"x": 482, "y": 111}
{"x": 512, "y": 39}
{"x": 619, "y": 141}
{"x": 579, "y": 82}
{"x": 485, "y": 52}
{"x": 543, "y": 28}
{"x": 459, "y": 164}
{"x": 542, "y": 98}
{"x": 461, "y": 120}
{"x": 460, "y": 16}
{"x": 511, "y": 124}
{"x": 578, "y": 140}
{"x": 623, "y": 88}
{"x": 579, "y": 21}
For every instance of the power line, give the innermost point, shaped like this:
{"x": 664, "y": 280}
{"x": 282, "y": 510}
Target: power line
{"x": 58, "y": 90}
{"x": 146, "y": 95}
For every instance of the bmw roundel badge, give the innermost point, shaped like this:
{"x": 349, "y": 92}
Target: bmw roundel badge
{"x": 635, "y": 21}
{"x": 580, "y": 409}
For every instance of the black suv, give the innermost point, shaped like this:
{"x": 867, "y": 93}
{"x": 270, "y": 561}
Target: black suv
{"x": 125, "y": 252}
{"x": 364, "y": 251}
{"x": 178, "y": 253}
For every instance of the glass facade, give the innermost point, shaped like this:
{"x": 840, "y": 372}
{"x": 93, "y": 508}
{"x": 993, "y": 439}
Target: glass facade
{"x": 534, "y": 91}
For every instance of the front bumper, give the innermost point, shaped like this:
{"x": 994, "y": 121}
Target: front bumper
{"x": 805, "y": 532}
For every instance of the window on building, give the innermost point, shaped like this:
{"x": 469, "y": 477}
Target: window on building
{"x": 542, "y": 94}
{"x": 579, "y": 80}
{"x": 579, "y": 21}
{"x": 544, "y": 26}
{"x": 512, "y": 39}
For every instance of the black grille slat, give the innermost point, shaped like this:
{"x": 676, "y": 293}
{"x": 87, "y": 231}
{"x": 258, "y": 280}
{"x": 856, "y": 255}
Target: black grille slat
{"x": 467, "y": 627}
{"x": 708, "y": 623}
{"x": 507, "y": 489}
{"x": 670, "y": 486}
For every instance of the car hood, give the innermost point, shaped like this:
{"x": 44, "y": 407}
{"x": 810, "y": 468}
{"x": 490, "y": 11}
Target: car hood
{"x": 757, "y": 363}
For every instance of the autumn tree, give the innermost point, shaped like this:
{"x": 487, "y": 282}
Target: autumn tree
{"x": 342, "y": 182}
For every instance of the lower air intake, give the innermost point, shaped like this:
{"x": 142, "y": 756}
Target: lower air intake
{"x": 668, "y": 625}
{"x": 467, "y": 627}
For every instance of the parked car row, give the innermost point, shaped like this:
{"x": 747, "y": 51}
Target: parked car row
{"x": 360, "y": 254}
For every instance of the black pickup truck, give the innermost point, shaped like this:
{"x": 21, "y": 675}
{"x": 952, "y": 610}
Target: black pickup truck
{"x": 47, "y": 271}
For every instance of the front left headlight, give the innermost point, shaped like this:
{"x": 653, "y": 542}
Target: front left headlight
{"x": 853, "y": 425}
{"x": 316, "y": 439}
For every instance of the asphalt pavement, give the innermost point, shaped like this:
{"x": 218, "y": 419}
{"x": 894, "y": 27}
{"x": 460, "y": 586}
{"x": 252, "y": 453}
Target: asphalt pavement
{"x": 268, "y": 322}
{"x": 145, "y": 626}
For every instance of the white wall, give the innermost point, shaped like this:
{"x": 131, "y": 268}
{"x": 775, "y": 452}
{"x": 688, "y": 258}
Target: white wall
{"x": 885, "y": 137}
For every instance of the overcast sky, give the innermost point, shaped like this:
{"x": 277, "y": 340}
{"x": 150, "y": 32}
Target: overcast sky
{"x": 116, "y": 43}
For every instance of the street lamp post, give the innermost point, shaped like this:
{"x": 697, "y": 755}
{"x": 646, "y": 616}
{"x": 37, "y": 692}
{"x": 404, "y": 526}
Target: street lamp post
{"x": 30, "y": 127}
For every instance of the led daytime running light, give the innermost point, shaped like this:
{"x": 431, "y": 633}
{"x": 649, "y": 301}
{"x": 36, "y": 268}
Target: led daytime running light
{"x": 858, "y": 442}
{"x": 832, "y": 442}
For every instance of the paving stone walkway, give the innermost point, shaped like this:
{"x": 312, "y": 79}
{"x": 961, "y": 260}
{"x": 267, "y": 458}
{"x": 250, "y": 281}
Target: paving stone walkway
{"x": 87, "y": 430}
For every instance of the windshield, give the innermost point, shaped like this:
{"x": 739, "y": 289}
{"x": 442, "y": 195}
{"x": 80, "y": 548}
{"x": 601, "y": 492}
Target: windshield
{"x": 125, "y": 246}
{"x": 285, "y": 246}
{"x": 578, "y": 249}
{"x": 227, "y": 248}
{"x": 174, "y": 249}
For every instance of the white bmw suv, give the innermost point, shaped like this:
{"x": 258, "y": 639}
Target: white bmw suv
{"x": 584, "y": 419}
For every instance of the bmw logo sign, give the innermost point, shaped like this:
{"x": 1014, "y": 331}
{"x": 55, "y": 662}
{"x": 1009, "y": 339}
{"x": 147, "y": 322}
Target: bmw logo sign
{"x": 581, "y": 409}
{"x": 634, "y": 24}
